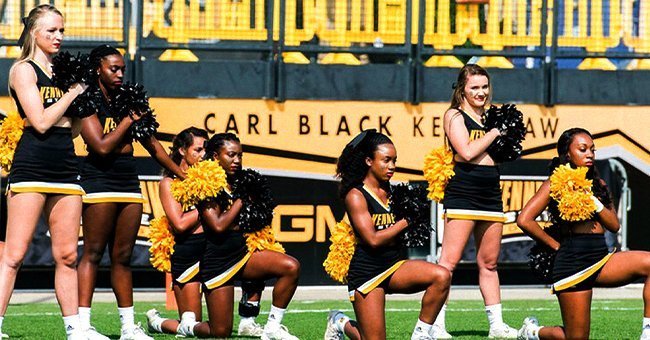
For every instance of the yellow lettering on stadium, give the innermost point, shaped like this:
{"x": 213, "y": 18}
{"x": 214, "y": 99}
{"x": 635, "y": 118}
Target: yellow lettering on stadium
{"x": 304, "y": 219}
{"x": 516, "y": 196}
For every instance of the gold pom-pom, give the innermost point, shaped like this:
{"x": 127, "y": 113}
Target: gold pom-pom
{"x": 10, "y": 132}
{"x": 162, "y": 244}
{"x": 572, "y": 190}
{"x": 438, "y": 169}
{"x": 341, "y": 251}
{"x": 203, "y": 180}
{"x": 263, "y": 240}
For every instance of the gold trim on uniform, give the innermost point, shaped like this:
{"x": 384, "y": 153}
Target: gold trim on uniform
{"x": 117, "y": 197}
{"x": 189, "y": 273}
{"x": 580, "y": 276}
{"x": 46, "y": 188}
{"x": 475, "y": 215}
{"x": 373, "y": 195}
{"x": 377, "y": 280}
{"x": 228, "y": 274}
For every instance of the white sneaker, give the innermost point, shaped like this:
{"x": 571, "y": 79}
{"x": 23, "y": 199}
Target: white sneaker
{"x": 530, "y": 329}
{"x": 154, "y": 318}
{"x": 92, "y": 334}
{"x": 502, "y": 332}
{"x": 134, "y": 333}
{"x": 438, "y": 332}
{"x": 77, "y": 335}
{"x": 332, "y": 331}
{"x": 277, "y": 332}
{"x": 645, "y": 335}
{"x": 186, "y": 327}
{"x": 250, "y": 329}
{"x": 3, "y": 335}
{"x": 419, "y": 334}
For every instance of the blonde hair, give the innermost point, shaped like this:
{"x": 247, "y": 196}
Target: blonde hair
{"x": 464, "y": 74}
{"x": 31, "y": 25}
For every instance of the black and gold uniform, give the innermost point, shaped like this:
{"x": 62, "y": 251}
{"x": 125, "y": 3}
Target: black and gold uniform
{"x": 44, "y": 162}
{"x": 370, "y": 267}
{"x": 113, "y": 177}
{"x": 578, "y": 262}
{"x": 474, "y": 193}
{"x": 186, "y": 258}
{"x": 225, "y": 255}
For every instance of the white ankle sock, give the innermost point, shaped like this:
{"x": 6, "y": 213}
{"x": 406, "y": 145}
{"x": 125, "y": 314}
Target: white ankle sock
{"x": 276, "y": 314}
{"x": 646, "y": 322}
{"x": 422, "y": 326}
{"x": 71, "y": 323}
{"x": 84, "y": 317}
{"x": 494, "y": 315}
{"x": 2, "y": 318}
{"x": 440, "y": 320}
{"x": 127, "y": 317}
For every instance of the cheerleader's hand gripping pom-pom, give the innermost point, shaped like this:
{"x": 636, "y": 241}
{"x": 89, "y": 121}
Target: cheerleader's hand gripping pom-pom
{"x": 263, "y": 239}
{"x": 203, "y": 180}
{"x": 510, "y": 123}
{"x": 541, "y": 257}
{"x": 257, "y": 202}
{"x": 162, "y": 244}
{"x": 410, "y": 203}
{"x": 11, "y": 130}
{"x": 68, "y": 69}
{"x": 438, "y": 169}
{"x": 341, "y": 251}
{"x": 572, "y": 191}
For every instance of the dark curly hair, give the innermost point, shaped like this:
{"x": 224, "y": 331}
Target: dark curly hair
{"x": 217, "y": 142}
{"x": 183, "y": 140}
{"x": 598, "y": 188}
{"x": 100, "y": 52}
{"x": 351, "y": 167}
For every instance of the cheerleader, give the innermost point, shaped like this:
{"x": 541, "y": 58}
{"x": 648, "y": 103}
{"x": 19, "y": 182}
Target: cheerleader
{"x": 113, "y": 202}
{"x": 379, "y": 265}
{"x": 472, "y": 198}
{"x": 227, "y": 258}
{"x": 187, "y": 149}
{"x": 582, "y": 260}
{"x": 44, "y": 177}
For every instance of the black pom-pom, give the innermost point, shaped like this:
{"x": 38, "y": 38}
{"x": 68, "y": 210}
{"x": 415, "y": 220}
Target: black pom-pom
{"x": 541, "y": 257}
{"x": 145, "y": 127}
{"x": 540, "y": 261}
{"x": 410, "y": 203}
{"x": 131, "y": 99}
{"x": 257, "y": 202}
{"x": 86, "y": 104}
{"x": 507, "y": 118}
{"x": 68, "y": 69}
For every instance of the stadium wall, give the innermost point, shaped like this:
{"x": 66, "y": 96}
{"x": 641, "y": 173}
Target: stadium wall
{"x": 296, "y": 144}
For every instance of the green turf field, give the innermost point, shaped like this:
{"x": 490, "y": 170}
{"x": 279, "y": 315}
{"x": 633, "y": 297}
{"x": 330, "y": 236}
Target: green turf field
{"x": 611, "y": 319}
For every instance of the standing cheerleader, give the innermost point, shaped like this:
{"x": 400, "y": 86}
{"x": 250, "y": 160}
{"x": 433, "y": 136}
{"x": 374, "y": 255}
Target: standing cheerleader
{"x": 379, "y": 265}
{"x": 581, "y": 258}
{"x": 113, "y": 201}
{"x": 227, "y": 258}
{"x": 44, "y": 177}
{"x": 472, "y": 198}
{"x": 189, "y": 246}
